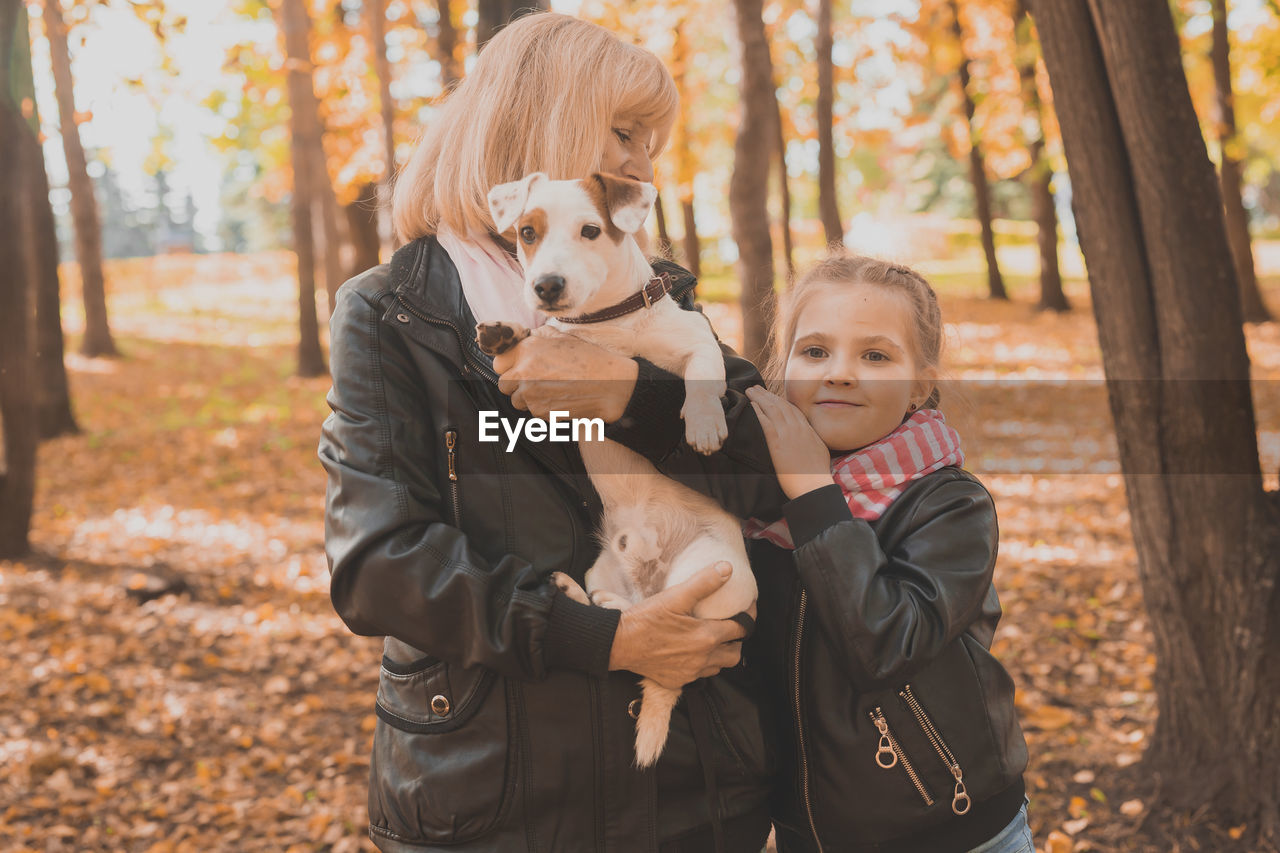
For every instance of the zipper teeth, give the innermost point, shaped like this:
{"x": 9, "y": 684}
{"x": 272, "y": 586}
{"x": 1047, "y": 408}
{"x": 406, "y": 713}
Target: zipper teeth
{"x": 877, "y": 717}
{"x": 483, "y": 370}
{"x": 804, "y": 759}
{"x": 939, "y": 745}
{"x": 451, "y": 445}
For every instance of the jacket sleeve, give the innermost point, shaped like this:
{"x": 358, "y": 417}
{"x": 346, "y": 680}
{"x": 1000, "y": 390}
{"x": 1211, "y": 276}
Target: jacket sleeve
{"x": 891, "y": 614}
{"x": 740, "y": 474}
{"x": 398, "y": 568}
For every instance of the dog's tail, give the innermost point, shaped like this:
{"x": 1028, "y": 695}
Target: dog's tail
{"x": 653, "y": 721}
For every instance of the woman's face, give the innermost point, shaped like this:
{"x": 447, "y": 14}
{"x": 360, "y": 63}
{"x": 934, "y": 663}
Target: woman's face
{"x": 627, "y": 151}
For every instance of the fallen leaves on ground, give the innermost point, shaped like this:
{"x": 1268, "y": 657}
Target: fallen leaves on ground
{"x": 176, "y": 680}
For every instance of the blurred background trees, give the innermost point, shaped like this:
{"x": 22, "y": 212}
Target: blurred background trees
{"x": 923, "y": 131}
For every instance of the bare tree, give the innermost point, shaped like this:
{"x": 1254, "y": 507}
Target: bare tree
{"x": 1169, "y": 323}
{"x": 1229, "y": 172}
{"x": 447, "y": 45}
{"x": 1040, "y": 174}
{"x": 493, "y": 15}
{"x": 977, "y": 166}
{"x": 749, "y": 186}
{"x": 84, "y": 207}
{"x": 784, "y": 186}
{"x": 684, "y": 157}
{"x": 362, "y": 225}
{"x": 41, "y": 240}
{"x": 17, "y": 363}
{"x": 827, "y": 204}
{"x": 304, "y": 141}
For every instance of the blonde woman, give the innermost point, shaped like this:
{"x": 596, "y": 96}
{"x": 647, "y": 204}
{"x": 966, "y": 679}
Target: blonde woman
{"x": 505, "y": 710}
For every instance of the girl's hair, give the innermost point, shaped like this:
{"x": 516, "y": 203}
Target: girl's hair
{"x": 540, "y": 98}
{"x": 843, "y": 268}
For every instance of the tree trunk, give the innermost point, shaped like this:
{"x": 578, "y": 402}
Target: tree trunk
{"x": 493, "y": 15}
{"x": 447, "y": 44}
{"x": 362, "y": 224}
{"x": 1208, "y": 541}
{"x": 332, "y": 230}
{"x": 977, "y": 168}
{"x": 685, "y": 165}
{"x": 1255, "y": 310}
{"x": 304, "y": 141}
{"x": 84, "y": 207}
{"x": 1040, "y": 174}
{"x": 784, "y": 186}
{"x": 749, "y": 186}
{"x": 827, "y": 205}
{"x": 377, "y": 11}
{"x": 664, "y": 239}
{"x": 17, "y": 364}
{"x": 692, "y": 247}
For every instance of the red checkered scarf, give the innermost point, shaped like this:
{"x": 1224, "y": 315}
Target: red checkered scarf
{"x": 873, "y": 477}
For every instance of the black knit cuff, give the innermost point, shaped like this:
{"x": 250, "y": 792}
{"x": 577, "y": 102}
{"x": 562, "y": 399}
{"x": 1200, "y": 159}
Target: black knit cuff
{"x": 815, "y": 511}
{"x": 579, "y": 636}
{"x": 651, "y": 424}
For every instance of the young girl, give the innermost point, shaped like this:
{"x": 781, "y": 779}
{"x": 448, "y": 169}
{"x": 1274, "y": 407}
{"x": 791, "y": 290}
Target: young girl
{"x": 876, "y": 604}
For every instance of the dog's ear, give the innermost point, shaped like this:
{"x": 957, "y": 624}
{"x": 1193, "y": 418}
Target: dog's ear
{"x": 628, "y": 202}
{"x": 507, "y": 201}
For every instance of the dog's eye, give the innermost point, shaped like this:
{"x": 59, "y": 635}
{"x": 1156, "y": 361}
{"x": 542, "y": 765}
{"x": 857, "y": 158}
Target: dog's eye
{"x": 590, "y": 231}
{"x": 528, "y": 235}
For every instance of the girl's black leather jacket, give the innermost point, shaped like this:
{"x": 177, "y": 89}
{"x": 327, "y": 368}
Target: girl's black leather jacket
{"x": 499, "y": 724}
{"x": 895, "y": 722}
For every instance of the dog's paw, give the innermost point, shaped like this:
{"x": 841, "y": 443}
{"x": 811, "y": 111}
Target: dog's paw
{"x": 497, "y": 338}
{"x": 611, "y": 600}
{"x": 704, "y": 425}
{"x": 570, "y": 587}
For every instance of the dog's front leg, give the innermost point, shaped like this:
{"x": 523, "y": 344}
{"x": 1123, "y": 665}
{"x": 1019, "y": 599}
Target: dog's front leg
{"x": 570, "y": 587}
{"x": 704, "y": 424}
{"x": 497, "y": 338}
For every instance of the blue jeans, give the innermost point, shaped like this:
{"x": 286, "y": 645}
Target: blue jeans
{"x": 1014, "y": 838}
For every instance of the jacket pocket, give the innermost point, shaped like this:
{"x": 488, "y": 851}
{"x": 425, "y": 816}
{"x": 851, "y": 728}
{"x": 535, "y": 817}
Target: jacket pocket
{"x": 890, "y": 754}
{"x": 960, "y": 802}
{"x": 443, "y": 768}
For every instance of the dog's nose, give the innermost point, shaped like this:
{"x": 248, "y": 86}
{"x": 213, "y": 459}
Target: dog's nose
{"x": 549, "y": 287}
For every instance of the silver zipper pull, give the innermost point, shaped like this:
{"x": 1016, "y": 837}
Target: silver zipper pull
{"x": 960, "y": 802}
{"x": 886, "y": 757}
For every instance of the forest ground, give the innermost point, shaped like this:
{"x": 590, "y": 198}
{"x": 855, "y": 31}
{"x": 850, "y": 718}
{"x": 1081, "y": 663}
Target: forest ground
{"x": 175, "y": 678}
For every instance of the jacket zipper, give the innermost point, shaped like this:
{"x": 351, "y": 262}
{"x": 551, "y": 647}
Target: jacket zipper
{"x": 451, "y": 446}
{"x": 890, "y": 754}
{"x": 804, "y": 759}
{"x": 960, "y": 801}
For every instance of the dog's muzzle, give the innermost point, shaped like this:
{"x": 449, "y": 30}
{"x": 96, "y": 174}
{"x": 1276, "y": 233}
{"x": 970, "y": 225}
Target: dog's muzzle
{"x": 549, "y": 288}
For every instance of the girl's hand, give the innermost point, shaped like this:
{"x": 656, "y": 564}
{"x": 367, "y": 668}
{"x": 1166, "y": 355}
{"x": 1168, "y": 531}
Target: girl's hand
{"x": 800, "y": 458}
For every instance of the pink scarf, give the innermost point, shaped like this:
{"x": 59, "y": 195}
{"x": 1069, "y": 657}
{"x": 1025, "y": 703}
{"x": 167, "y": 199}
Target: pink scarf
{"x": 873, "y": 477}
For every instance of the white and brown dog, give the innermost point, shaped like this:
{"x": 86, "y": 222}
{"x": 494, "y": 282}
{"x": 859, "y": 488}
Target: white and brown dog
{"x": 584, "y": 268}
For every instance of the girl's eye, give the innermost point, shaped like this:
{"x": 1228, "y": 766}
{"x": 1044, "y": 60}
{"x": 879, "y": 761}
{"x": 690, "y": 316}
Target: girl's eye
{"x": 590, "y": 231}
{"x": 528, "y": 235}
{"x": 813, "y": 352}
{"x": 622, "y": 135}
{"x": 876, "y": 355}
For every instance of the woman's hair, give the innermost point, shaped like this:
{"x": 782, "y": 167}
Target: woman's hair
{"x": 540, "y": 98}
{"x": 843, "y": 268}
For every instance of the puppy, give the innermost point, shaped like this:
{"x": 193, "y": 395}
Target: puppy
{"x": 584, "y": 268}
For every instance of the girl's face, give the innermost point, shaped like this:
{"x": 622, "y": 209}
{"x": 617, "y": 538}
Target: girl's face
{"x": 852, "y": 369}
{"x": 627, "y": 151}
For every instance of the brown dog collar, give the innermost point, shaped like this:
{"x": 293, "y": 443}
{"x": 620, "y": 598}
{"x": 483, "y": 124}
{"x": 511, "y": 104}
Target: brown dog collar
{"x": 656, "y": 288}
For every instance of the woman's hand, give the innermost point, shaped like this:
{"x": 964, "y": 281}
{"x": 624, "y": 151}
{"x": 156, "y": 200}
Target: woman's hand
{"x": 800, "y": 458}
{"x": 550, "y": 370}
{"x": 661, "y": 639}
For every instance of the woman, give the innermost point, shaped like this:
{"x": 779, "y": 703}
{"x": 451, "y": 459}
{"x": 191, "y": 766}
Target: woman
{"x": 505, "y": 710}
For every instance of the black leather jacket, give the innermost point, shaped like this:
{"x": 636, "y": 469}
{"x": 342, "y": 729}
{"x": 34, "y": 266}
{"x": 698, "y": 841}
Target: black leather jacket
{"x": 499, "y": 724}
{"x": 874, "y": 637}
